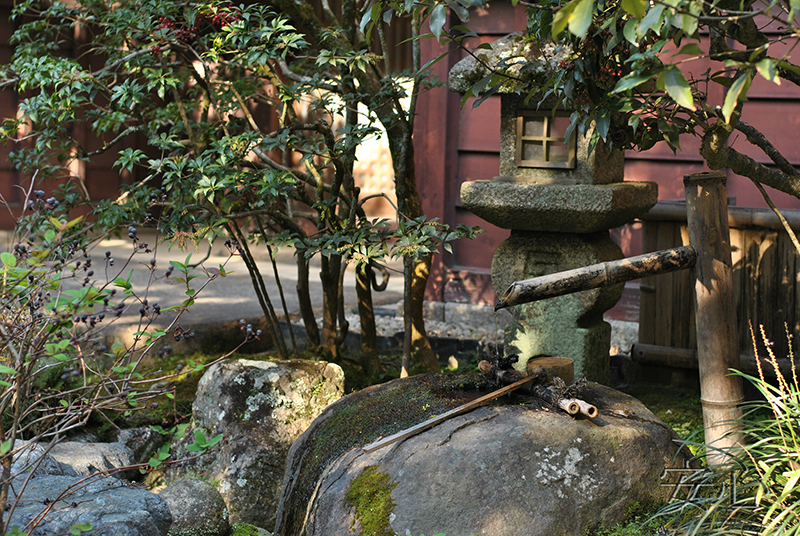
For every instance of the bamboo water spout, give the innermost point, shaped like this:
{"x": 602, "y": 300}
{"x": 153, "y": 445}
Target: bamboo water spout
{"x": 597, "y": 275}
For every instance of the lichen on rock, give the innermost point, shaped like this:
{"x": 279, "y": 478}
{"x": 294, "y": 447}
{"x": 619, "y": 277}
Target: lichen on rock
{"x": 260, "y": 407}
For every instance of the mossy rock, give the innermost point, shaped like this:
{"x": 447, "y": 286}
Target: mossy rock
{"x": 360, "y": 418}
{"x": 508, "y": 468}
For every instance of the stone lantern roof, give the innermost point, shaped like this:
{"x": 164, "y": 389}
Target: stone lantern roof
{"x": 545, "y": 182}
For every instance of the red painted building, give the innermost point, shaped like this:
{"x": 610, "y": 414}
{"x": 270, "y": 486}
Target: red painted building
{"x": 456, "y": 144}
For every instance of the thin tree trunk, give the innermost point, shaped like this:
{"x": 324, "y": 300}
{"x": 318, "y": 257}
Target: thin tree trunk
{"x": 408, "y": 269}
{"x": 344, "y": 325}
{"x": 304, "y": 297}
{"x": 420, "y": 344}
{"x": 330, "y": 304}
{"x": 261, "y": 290}
{"x": 280, "y": 285}
{"x": 369, "y": 335}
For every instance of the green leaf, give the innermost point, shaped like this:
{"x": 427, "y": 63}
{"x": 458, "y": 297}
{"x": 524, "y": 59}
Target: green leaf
{"x": 677, "y": 87}
{"x": 631, "y": 81}
{"x": 768, "y": 68}
{"x": 581, "y": 18}
{"x": 214, "y": 440}
{"x": 5, "y": 447}
{"x": 652, "y": 20}
{"x": 692, "y": 49}
{"x": 792, "y": 482}
{"x": 561, "y": 19}
{"x": 80, "y": 528}
{"x": 629, "y": 31}
{"x": 8, "y": 259}
{"x": 7, "y": 370}
{"x": 603, "y": 122}
{"x": 738, "y": 91}
{"x": 180, "y": 430}
{"x": 438, "y": 17}
{"x": 794, "y": 5}
{"x": 635, "y": 8}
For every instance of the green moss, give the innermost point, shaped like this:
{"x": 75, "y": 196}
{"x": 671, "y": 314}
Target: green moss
{"x": 243, "y": 529}
{"x": 371, "y": 495}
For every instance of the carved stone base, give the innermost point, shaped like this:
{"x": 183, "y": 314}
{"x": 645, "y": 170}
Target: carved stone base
{"x": 568, "y": 326}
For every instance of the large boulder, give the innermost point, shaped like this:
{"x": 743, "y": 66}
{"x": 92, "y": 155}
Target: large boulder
{"x": 515, "y": 467}
{"x": 260, "y": 407}
{"x": 111, "y": 506}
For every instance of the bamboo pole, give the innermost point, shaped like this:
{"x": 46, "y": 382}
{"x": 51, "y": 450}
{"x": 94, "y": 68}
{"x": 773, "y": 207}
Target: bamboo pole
{"x": 433, "y": 421}
{"x": 715, "y": 316}
{"x": 597, "y": 275}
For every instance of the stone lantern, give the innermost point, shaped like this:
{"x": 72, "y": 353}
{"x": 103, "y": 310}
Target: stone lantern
{"x": 559, "y": 201}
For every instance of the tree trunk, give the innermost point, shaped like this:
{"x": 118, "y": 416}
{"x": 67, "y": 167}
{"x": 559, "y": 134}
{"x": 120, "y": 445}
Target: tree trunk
{"x": 420, "y": 345}
{"x": 369, "y": 336}
{"x": 330, "y": 304}
{"x": 304, "y": 297}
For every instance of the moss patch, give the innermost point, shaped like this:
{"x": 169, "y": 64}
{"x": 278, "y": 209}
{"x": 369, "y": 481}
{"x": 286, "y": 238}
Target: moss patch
{"x": 371, "y": 495}
{"x": 243, "y": 529}
{"x": 679, "y": 409}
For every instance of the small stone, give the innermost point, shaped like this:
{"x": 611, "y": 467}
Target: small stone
{"x": 196, "y": 507}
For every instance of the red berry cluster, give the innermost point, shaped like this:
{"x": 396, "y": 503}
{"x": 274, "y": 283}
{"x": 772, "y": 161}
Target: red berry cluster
{"x": 220, "y": 18}
{"x": 607, "y": 73}
{"x": 179, "y": 29}
{"x": 204, "y": 21}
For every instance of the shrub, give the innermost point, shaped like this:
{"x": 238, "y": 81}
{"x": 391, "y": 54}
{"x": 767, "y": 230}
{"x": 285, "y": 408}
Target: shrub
{"x": 56, "y": 368}
{"x": 759, "y": 492}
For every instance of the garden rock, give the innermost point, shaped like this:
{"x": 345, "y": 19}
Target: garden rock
{"x": 260, "y": 407}
{"x": 84, "y": 459}
{"x": 143, "y": 442}
{"x": 511, "y": 468}
{"x": 72, "y": 458}
{"x": 113, "y": 507}
{"x": 197, "y": 509}
{"x": 33, "y": 456}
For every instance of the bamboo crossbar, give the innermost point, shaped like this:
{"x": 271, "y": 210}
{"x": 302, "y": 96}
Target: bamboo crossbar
{"x": 597, "y": 275}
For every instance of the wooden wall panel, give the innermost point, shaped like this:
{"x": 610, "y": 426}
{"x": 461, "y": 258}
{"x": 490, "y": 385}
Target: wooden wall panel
{"x": 765, "y": 282}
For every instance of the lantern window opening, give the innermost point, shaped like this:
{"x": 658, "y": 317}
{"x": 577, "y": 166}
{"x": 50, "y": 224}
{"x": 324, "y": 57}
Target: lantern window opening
{"x": 541, "y": 140}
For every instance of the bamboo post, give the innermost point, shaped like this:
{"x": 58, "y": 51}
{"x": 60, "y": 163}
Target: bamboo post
{"x": 715, "y": 316}
{"x": 597, "y": 275}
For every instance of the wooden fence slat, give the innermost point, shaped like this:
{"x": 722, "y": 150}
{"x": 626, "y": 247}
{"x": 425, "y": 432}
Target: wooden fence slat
{"x": 765, "y": 280}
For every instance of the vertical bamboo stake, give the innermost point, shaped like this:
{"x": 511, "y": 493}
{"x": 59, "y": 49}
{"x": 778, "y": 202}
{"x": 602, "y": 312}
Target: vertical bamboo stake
{"x": 715, "y": 316}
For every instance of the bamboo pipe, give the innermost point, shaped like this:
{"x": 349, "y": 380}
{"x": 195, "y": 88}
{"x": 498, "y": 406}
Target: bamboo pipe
{"x": 597, "y": 275}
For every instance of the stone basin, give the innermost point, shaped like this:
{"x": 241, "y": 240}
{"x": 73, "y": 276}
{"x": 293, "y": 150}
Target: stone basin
{"x": 564, "y": 208}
